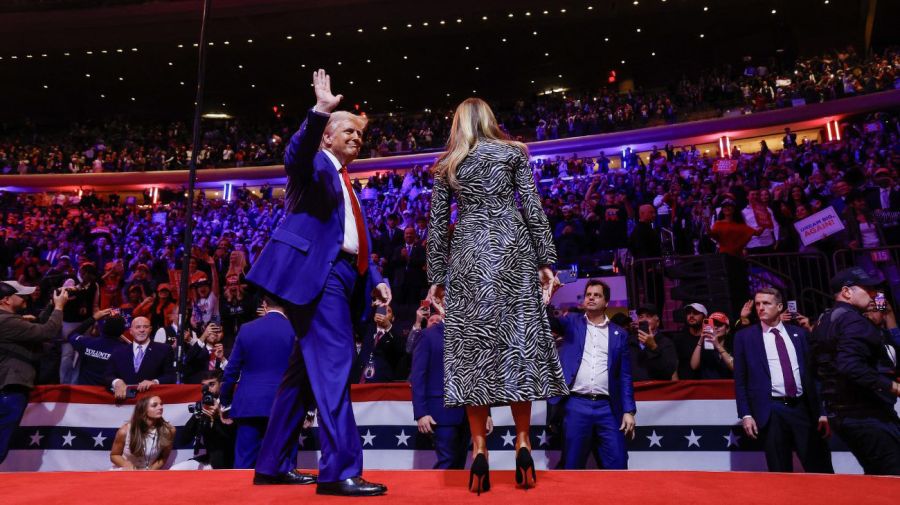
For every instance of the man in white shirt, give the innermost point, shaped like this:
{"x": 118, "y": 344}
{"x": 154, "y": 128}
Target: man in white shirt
{"x": 598, "y": 414}
{"x": 143, "y": 363}
{"x": 776, "y": 391}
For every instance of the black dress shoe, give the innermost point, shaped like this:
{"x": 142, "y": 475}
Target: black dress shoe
{"x": 354, "y": 486}
{"x": 292, "y": 477}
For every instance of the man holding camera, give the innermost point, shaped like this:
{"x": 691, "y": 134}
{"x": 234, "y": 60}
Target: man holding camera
{"x": 653, "y": 355}
{"x": 775, "y": 390}
{"x": 383, "y": 351}
{"x": 142, "y": 364}
{"x": 21, "y": 342}
{"x": 213, "y": 433}
{"x": 859, "y": 394}
{"x": 204, "y": 353}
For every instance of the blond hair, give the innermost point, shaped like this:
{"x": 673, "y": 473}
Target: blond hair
{"x": 472, "y": 121}
{"x": 338, "y": 117}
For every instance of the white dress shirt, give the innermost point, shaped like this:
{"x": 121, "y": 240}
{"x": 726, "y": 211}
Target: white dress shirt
{"x": 775, "y": 363}
{"x": 351, "y": 238}
{"x": 593, "y": 372}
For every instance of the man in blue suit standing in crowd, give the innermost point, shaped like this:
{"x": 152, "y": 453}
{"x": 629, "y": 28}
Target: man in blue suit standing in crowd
{"x": 598, "y": 414}
{"x": 257, "y": 364}
{"x": 318, "y": 260}
{"x": 447, "y": 426}
{"x": 776, "y": 392}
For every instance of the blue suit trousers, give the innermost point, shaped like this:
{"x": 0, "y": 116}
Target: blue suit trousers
{"x": 319, "y": 376}
{"x": 590, "y": 426}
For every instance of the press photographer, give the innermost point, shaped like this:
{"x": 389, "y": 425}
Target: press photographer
{"x": 21, "y": 340}
{"x": 213, "y": 433}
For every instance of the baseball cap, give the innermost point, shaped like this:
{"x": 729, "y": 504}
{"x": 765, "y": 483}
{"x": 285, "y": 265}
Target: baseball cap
{"x": 699, "y": 307}
{"x": 882, "y": 171}
{"x": 647, "y": 308}
{"x": 163, "y": 287}
{"x": 853, "y": 276}
{"x": 720, "y": 317}
{"x": 9, "y": 288}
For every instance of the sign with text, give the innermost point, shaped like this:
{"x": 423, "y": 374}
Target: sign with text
{"x": 822, "y": 224}
{"x": 725, "y": 166}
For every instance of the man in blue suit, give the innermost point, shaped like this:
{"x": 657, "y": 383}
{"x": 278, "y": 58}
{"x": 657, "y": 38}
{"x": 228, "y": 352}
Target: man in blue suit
{"x": 143, "y": 363}
{"x": 598, "y": 414}
{"x": 318, "y": 261}
{"x": 448, "y": 427}
{"x": 776, "y": 392}
{"x": 258, "y": 361}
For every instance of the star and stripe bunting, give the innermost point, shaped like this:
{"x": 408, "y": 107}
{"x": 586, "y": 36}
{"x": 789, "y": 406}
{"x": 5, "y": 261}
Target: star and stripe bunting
{"x": 681, "y": 425}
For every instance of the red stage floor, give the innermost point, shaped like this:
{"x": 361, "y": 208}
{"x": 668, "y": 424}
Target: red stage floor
{"x": 445, "y": 488}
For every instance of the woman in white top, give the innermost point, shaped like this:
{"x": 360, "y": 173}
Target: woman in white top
{"x": 144, "y": 443}
{"x": 758, "y": 215}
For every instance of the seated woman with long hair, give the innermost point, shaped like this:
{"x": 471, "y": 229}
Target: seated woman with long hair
{"x": 144, "y": 443}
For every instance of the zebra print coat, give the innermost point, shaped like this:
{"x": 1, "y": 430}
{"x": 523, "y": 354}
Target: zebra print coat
{"x": 498, "y": 347}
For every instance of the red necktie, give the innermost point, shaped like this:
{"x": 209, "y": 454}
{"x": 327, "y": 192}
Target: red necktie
{"x": 362, "y": 259}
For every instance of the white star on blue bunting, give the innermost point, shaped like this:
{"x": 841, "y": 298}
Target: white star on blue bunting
{"x": 693, "y": 439}
{"x": 402, "y": 438}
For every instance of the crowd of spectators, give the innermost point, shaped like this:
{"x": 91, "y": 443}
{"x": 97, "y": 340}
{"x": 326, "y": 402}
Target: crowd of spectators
{"x": 757, "y": 86}
{"x": 124, "y": 258}
{"x": 124, "y": 146}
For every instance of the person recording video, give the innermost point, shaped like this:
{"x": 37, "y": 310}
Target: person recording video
{"x": 206, "y": 352}
{"x": 21, "y": 343}
{"x": 382, "y": 356}
{"x": 212, "y": 432}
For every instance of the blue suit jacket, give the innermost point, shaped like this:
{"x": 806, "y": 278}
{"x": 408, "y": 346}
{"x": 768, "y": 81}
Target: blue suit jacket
{"x": 427, "y": 379}
{"x": 752, "y": 380}
{"x": 260, "y": 356}
{"x": 573, "y": 328}
{"x": 298, "y": 257}
{"x": 158, "y": 364}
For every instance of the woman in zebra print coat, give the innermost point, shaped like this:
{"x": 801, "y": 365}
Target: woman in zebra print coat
{"x": 498, "y": 348}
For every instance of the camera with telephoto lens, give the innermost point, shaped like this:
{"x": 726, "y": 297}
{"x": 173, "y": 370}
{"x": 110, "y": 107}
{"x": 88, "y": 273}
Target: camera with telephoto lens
{"x": 207, "y": 398}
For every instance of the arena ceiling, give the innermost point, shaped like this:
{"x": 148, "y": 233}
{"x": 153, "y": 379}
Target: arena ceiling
{"x": 66, "y": 59}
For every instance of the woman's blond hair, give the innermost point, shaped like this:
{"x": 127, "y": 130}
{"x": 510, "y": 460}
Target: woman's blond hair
{"x": 472, "y": 121}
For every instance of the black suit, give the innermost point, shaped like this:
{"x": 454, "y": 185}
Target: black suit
{"x": 196, "y": 361}
{"x": 784, "y": 425}
{"x": 388, "y": 359}
{"x": 156, "y": 365}
{"x": 409, "y": 280}
{"x": 891, "y": 226}
{"x": 390, "y": 240}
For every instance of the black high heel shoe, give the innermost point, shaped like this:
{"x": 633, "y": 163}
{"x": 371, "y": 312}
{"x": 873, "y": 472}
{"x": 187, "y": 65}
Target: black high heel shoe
{"x": 480, "y": 470}
{"x": 524, "y": 462}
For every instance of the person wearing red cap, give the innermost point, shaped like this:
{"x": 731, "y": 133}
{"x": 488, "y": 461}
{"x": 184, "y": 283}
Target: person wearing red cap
{"x": 714, "y": 360}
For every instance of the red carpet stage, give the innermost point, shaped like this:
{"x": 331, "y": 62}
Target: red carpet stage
{"x": 427, "y": 487}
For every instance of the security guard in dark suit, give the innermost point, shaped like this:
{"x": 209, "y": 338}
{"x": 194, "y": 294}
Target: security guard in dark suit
{"x": 859, "y": 400}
